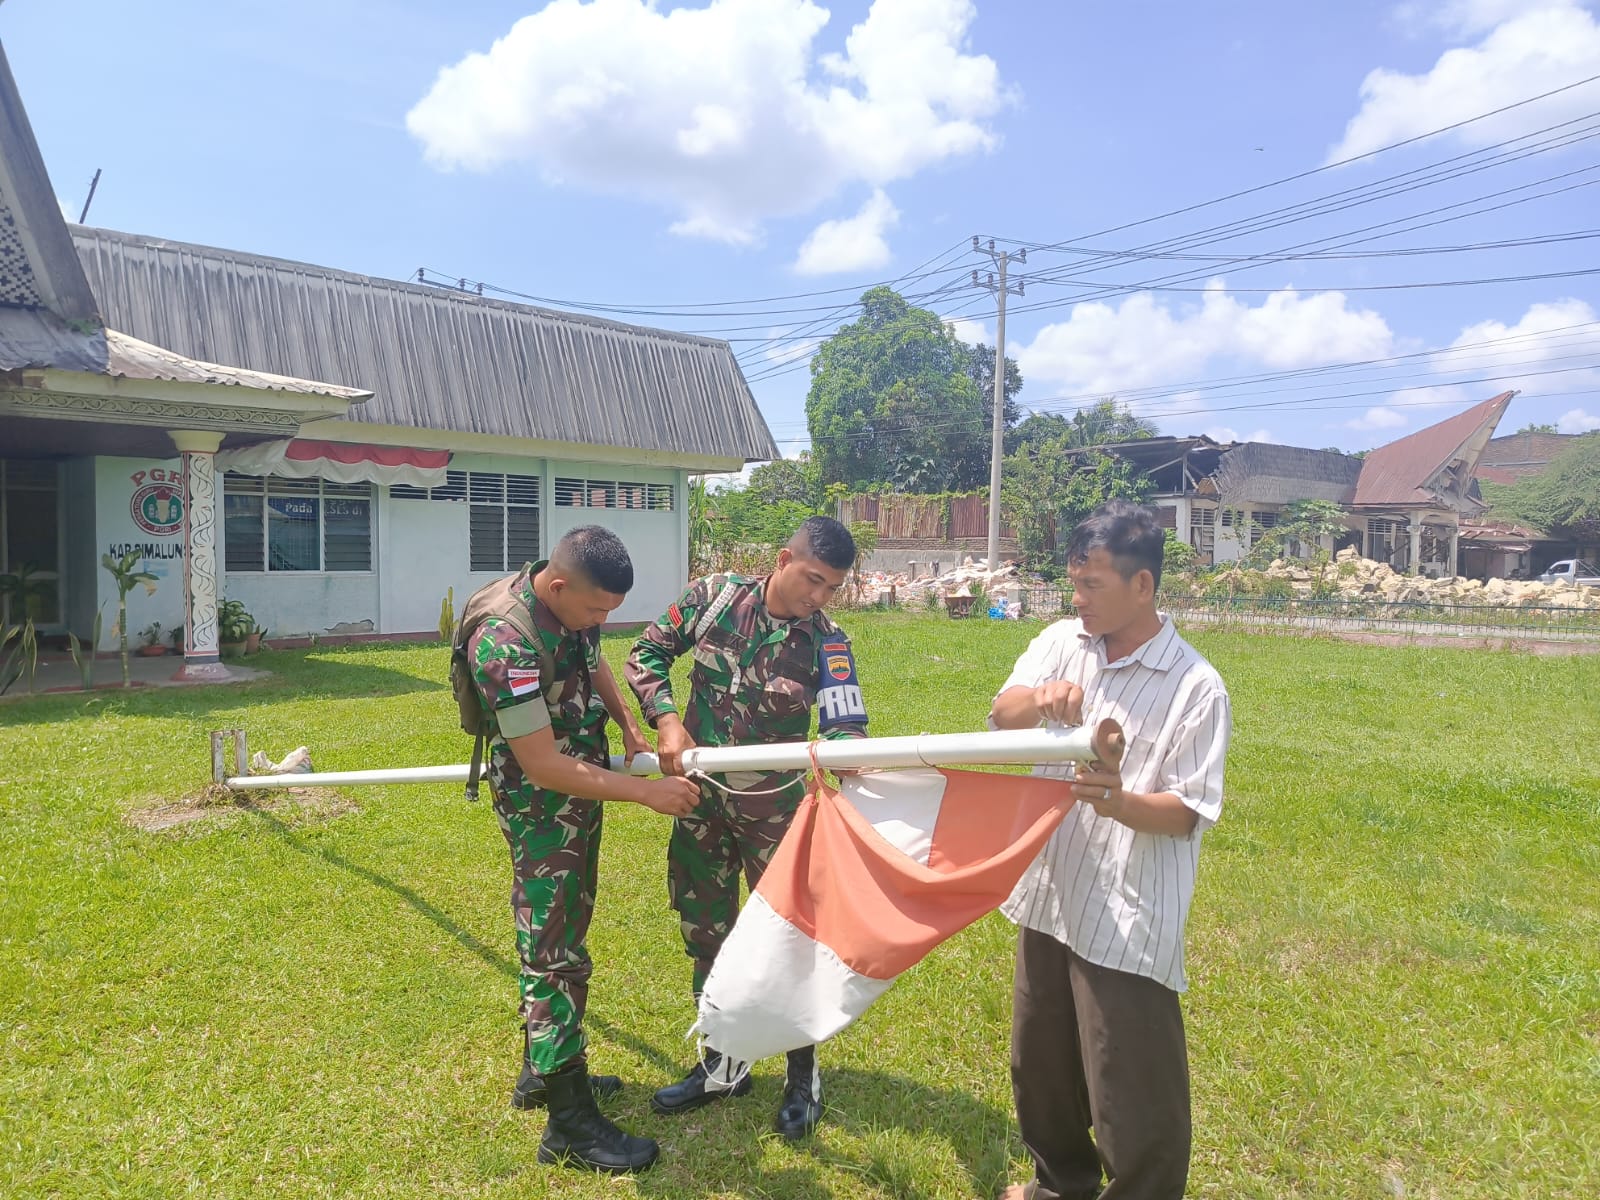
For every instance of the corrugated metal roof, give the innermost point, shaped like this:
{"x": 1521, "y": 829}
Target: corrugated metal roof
{"x": 1263, "y": 473}
{"x": 1397, "y": 474}
{"x": 432, "y": 358}
{"x": 36, "y": 338}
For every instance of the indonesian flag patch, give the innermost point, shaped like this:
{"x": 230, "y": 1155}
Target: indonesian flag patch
{"x": 522, "y": 681}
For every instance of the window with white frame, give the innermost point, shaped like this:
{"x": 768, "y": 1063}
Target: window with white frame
{"x": 1381, "y": 538}
{"x": 1259, "y": 524}
{"x": 502, "y": 518}
{"x": 1203, "y": 530}
{"x": 573, "y": 492}
{"x": 272, "y": 524}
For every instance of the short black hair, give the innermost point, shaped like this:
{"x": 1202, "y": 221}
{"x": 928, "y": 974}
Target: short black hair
{"x": 1128, "y": 532}
{"x": 597, "y": 554}
{"x": 826, "y": 540}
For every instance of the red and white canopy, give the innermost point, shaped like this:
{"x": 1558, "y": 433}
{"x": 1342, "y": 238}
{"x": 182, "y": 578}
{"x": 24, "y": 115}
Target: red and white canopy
{"x": 340, "y": 462}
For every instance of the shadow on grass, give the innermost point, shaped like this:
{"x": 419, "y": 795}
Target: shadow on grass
{"x": 294, "y": 675}
{"x": 890, "y": 1119}
{"x": 432, "y": 912}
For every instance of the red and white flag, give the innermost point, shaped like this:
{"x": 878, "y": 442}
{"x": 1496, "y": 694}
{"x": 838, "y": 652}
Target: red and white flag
{"x": 866, "y": 882}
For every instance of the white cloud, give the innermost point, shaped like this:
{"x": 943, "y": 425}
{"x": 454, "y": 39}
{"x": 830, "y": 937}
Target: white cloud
{"x": 1101, "y": 349}
{"x": 1225, "y": 433}
{"x": 1377, "y": 418}
{"x": 1577, "y": 421}
{"x": 1525, "y": 49}
{"x": 1551, "y": 337}
{"x": 725, "y": 113}
{"x": 973, "y": 333}
{"x": 1462, "y": 16}
{"x": 851, "y": 243}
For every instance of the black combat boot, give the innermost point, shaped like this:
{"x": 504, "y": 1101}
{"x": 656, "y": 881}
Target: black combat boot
{"x": 530, "y": 1090}
{"x": 578, "y": 1136}
{"x": 697, "y": 1089}
{"x": 802, "y": 1095}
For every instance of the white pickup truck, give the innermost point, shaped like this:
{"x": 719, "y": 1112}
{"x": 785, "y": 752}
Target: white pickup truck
{"x": 1571, "y": 570}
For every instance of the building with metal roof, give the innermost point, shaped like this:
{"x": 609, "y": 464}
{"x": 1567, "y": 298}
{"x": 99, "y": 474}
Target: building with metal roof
{"x": 337, "y": 452}
{"x": 1404, "y": 502}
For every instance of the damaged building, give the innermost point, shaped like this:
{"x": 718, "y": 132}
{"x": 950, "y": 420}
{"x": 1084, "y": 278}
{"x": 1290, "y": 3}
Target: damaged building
{"x": 1405, "y": 504}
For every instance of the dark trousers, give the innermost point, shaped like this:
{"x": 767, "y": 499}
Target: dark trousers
{"x": 1102, "y": 1049}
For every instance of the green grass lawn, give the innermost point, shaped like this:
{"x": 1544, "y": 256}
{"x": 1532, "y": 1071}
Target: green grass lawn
{"x": 1394, "y": 952}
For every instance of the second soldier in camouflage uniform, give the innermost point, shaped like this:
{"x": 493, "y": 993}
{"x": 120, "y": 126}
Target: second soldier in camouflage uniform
{"x": 764, "y": 654}
{"x": 548, "y": 704}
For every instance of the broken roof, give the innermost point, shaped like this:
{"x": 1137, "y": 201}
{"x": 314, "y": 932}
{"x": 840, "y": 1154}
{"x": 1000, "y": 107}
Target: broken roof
{"x": 1265, "y": 473}
{"x": 1403, "y": 473}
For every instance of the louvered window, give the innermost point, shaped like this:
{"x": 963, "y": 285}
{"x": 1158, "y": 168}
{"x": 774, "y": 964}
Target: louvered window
{"x": 572, "y": 492}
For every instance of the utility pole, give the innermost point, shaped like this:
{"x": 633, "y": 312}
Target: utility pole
{"x": 999, "y": 288}
{"x": 93, "y": 183}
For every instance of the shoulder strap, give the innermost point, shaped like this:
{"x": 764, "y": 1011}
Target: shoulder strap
{"x": 716, "y": 608}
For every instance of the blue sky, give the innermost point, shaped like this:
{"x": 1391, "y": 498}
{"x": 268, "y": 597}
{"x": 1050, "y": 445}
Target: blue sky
{"x": 720, "y": 154}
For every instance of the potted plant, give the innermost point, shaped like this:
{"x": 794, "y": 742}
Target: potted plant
{"x": 150, "y": 641}
{"x": 234, "y": 627}
{"x": 122, "y": 570}
{"x": 175, "y": 636}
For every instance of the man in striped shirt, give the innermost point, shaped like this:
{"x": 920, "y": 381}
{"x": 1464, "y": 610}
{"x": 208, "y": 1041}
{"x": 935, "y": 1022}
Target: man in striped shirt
{"x": 1097, "y": 1033}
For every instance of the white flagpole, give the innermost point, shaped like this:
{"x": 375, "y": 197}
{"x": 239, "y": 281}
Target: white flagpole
{"x": 1079, "y": 744}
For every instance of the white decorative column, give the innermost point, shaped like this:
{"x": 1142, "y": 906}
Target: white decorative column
{"x": 200, "y": 656}
{"x": 1414, "y": 564}
{"x": 1455, "y": 549}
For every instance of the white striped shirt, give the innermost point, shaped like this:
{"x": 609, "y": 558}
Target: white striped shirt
{"x": 1117, "y": 897}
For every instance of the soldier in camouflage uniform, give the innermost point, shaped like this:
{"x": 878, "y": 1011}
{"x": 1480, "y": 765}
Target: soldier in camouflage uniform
{"x": 548, "y": 705}
{"x": 763, "y": 653}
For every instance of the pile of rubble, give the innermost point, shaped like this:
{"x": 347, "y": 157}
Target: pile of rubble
{"x": 1349, "y": 576}
{"x": 913, "y": 586}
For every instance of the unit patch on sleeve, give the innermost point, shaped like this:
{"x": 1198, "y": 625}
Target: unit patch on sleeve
{"x": 839, "y": 700}
{"x": 675, "y": 615}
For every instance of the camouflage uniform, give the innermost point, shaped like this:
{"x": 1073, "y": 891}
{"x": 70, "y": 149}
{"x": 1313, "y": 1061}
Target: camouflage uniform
{"x": 554, "y": 839}
{"x": 755, "y": 679}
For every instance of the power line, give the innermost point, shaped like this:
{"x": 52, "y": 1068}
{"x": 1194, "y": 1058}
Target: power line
{"x": 1345, "y": 162}
{"x": 1155, "y": 393}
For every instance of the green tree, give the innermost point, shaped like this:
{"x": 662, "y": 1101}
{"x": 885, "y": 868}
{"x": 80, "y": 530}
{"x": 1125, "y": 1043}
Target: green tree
{"x": 1532, "y": 428}
{"x": 893, "y": 400}
{"x": 980, "y": 368}
{"x": 1049, "y": 488}
{"x": 786, "y": 479}
{"x": 1103, "y": 423}
{"x": 1307, "y": 522}
{"x": 1565, "y": 495}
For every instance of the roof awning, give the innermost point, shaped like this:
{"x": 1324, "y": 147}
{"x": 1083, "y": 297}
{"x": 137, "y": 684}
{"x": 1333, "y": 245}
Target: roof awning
{"x": 339, "y": 462}
{"x": 1485, "y": 543}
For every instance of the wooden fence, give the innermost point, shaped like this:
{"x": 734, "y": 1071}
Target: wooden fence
{"x": 904, "y": 517}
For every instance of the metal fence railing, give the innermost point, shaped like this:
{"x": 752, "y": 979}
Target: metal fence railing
{"x": 1328, "y": 614}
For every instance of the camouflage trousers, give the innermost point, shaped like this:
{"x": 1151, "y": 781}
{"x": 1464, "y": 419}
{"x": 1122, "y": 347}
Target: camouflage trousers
{"x": 555, "y": 859}
{"x": 725, "y": 836}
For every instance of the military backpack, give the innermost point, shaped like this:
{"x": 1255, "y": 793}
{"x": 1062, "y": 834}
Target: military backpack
{"x": 501, "y": 600}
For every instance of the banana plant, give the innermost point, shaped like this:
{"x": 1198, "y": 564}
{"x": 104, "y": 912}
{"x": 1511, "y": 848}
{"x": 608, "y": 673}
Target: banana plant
{"x": 122, "y": 571}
